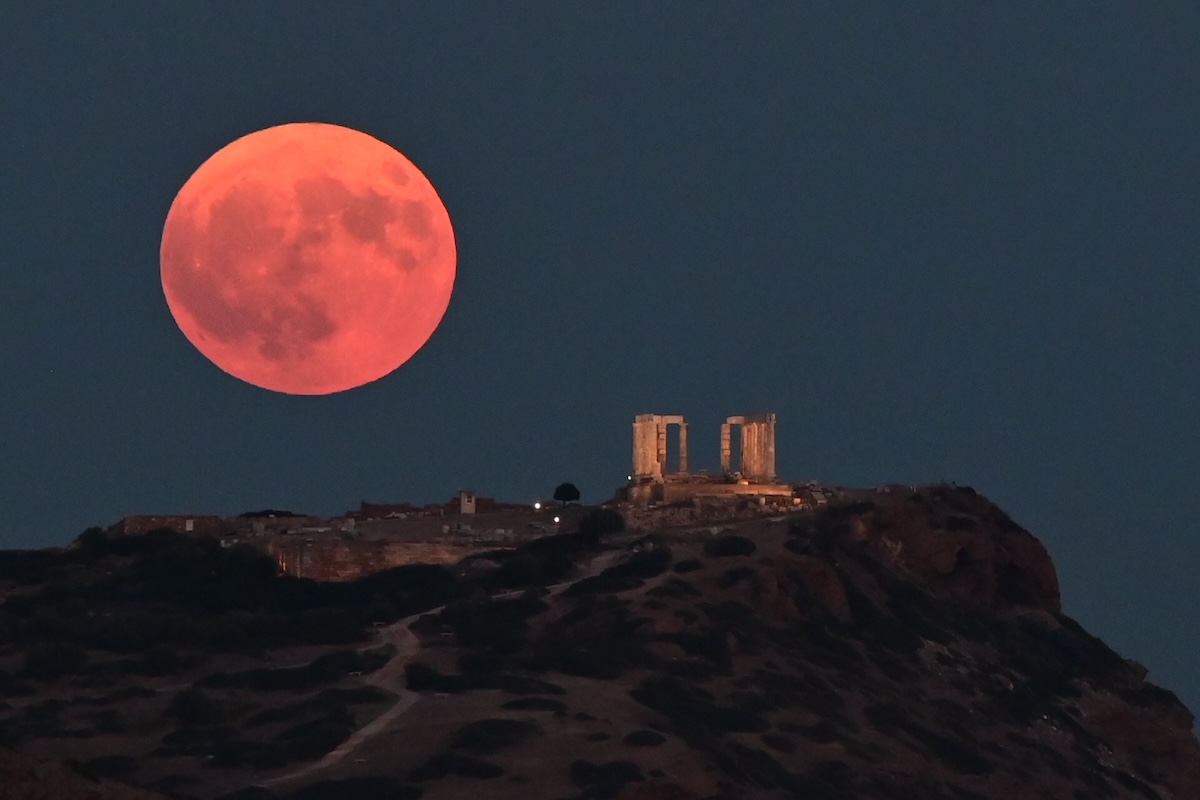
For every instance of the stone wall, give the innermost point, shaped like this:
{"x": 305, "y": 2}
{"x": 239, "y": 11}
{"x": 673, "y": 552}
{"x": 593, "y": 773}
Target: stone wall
{"x": 705, "y": 511}
{"x": 676, "y": 491}
{"x": 201, "y": 525}
{"x": 335, "y": 560}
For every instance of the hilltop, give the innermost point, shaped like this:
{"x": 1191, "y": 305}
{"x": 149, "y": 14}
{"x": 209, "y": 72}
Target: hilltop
{"x": 897, "y": 645}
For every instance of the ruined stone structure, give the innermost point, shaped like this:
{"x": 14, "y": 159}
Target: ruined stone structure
{"x": 758, "y": 447}
{"x": 650, "y": 446}
{"x": 200, "y": 525}
{"x": 653, "y": 481}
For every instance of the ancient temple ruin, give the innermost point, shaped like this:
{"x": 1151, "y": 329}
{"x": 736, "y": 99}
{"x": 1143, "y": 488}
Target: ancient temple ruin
{"x": 758, "y": 447}
{"x": 752, "y": 472}
{"x": 650, "y": 434}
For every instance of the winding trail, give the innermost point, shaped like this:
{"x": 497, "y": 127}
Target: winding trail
{"x": 389, "y": 676}
{"x": 385, "y": 678}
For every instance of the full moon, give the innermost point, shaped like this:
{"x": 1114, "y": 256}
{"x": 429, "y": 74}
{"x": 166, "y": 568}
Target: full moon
{"x": 308, "y": 259}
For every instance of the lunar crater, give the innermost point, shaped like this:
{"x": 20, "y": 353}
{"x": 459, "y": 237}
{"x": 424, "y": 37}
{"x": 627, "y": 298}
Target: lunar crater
{"x": 290, "y": 333}
{"x": 417, "y": 218}
{"x": 395, "y": 172}
{"x": 242, "y": 221}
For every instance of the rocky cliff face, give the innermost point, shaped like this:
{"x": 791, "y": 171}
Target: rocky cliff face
{"x": 348, "y": 561}
{"x": 961, "y": 547}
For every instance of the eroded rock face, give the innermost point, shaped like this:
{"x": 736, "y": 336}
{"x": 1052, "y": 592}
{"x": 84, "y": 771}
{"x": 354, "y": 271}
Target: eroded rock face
{"x": 347, "y": 561}
{"x": 962, "y": 546}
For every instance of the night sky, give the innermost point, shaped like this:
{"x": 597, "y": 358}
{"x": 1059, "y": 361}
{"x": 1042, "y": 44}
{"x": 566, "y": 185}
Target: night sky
{"x": 942, "y": 241}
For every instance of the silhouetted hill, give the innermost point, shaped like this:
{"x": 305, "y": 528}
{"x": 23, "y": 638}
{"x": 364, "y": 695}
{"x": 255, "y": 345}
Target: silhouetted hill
{"x": 899, "y": 646}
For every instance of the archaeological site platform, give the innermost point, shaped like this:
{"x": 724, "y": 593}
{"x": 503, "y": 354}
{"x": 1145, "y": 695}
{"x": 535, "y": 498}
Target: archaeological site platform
{"x": 750, "y": 472}
{"x": 661, "y": 492}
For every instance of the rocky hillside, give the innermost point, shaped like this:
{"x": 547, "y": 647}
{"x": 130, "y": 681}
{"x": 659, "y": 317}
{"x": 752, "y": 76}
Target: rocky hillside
{"x": 904, "y": 646}
{"x": 24, "y": 778}
{"x": 907, "y": 647}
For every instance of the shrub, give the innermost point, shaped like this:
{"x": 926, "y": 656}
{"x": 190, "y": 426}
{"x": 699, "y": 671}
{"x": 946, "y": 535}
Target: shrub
{"x": 357, "y": 696}
{"x": 711, "y": 646}
{"x": 605, "y": 780}
{"x": 445, "y": 764}
{"x": 271, "y": 715}
{"x": 406, "y": 589}
{"x": 604, "y": 583}
{"x": 28, "y": 566}
{"x": 93, "y": 544}
{"x": 691, "y": 708}
{"x": 725, "y": 546}
{"x": 598, "y": 522}
{"x": 644, "y": 564}
{"x": 194, "y": 707}
{"x": 374, "y": 787}
{"x": 598, "y": 638}
{"x": 53, "y": 660}
{"x": 332, "y": 626}
{"x": 732, "y": 577}
{"x": 760, "y": 768}
{"x": 535, "y": 704}
{"x": 644, "y": 739}
{"x": 541, "y": 562}
{"x": 495, "y": 623}
{"x": 160, "y": 660}
{"x": 120, "y": 767}
{"x": 109, "y": 720}
{"x": 421, "y": 677}
{"x": 324, "y": 669}
{"x": 248, "y": 793}
{"x": 317, "y": 737}
{"x": 624, "y": 576}
{"x": 959, "y": 522}
{"x": 693, "y": 670}
{"x": 128, "y": 693}
{"x": 476, "y": 661}
{"x": 779, "y": 742}
{"x": 956, "y": 754}
{"x": 674, "y": 587}
{"x": 197, "y": 741}
{"x": 489, "y": 735}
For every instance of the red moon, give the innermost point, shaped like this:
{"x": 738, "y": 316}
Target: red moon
{"x": 308, "y": 259}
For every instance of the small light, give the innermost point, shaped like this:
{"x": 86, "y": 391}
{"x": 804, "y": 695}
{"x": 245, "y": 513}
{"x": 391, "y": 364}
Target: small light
{"x": 628, "y": 477}
{"x": 556, "y": 520}
{"x": 537, "y": 506}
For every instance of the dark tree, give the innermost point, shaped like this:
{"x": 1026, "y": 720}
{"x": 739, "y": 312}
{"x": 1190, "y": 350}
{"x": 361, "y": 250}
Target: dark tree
{"x": 566, "y": 493}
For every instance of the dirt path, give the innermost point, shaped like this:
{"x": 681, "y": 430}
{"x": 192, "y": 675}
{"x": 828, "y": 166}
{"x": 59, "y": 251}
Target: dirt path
{"x": 388, "y": 677}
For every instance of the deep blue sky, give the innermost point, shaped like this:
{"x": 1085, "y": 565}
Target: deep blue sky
{"x": 941, "y": 240}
